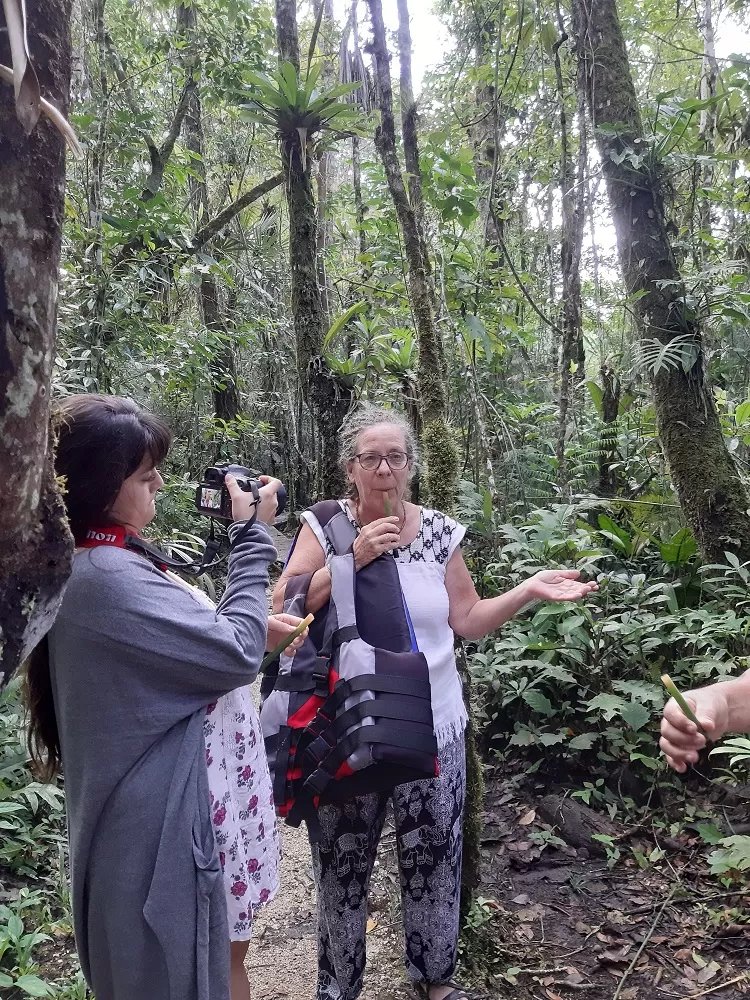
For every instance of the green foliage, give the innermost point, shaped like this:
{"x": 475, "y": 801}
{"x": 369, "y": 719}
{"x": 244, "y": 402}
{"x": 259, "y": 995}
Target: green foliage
{"x": 584, "y": 680}
{"x": 732, "y": 857}
{"x": 33, "y": 848}
{"x": 287, "y": 104}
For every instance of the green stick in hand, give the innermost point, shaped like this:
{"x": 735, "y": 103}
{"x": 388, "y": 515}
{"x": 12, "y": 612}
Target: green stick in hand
{"x": 387, "y": 505}
{"x": 270, "y": 657}
{"x": 669, "y": 684}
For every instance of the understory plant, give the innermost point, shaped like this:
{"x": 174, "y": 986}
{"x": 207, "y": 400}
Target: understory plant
{"x": 581, "y": 683}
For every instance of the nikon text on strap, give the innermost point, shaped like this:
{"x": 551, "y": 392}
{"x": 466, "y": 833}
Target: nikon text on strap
{"x": 117, "y": 536}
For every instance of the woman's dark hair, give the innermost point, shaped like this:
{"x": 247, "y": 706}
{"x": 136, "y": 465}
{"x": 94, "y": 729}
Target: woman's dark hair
{"x": 101, "y": 441}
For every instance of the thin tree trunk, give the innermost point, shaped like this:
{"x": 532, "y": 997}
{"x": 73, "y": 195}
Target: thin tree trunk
{"x": 709, "y": 77}
{"x": 223, "y": 366}
{"x": 571, "y": 244}
{"x": 608, "y": 436}
{"x": 409, "y": 125}
{"x": 708, "y": 485}
{"x": 438, "y": 447}
{"x": 329, "y": 398}
{"x": 487, "y": 128}
{"x": 326, "y": 163}
{"x": 35, "y": 543}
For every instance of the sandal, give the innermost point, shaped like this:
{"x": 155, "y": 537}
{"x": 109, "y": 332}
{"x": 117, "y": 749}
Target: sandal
{"x": 422, "y": 990}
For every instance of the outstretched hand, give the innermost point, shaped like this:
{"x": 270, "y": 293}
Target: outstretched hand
{"x": 559, "y": 585}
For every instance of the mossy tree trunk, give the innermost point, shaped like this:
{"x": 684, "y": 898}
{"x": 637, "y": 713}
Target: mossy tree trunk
{"x": 35, "y": 544}
{"x": 708, "y": 484}
{"x": 488, "y": 125}
{"x": 328, "y": 397}
{"x": 438, "y": 448}
{"x": 223, "y": 367}
{"x": 572, "y": 190}
{"x": 608, "y": 478}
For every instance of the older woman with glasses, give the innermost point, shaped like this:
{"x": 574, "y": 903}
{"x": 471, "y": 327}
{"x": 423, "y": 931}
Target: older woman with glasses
{"x": 378, "y": 454}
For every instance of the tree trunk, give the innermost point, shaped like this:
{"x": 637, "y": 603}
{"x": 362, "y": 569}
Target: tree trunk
{"x": 223, "y": 367}
{"x": 328, "y": 397}
{"x": 706, "y": 479}
{"x": 438, "y": 448}
{"x": 409, "y": 133}
{"x": 608, "y": 437}
{"x": 486, "y": 130}
{"x": 709, "y": 77}
{"x": 571, "y": 245}
{"x": 325, "y": 164}
{"x": 35, "y": 544}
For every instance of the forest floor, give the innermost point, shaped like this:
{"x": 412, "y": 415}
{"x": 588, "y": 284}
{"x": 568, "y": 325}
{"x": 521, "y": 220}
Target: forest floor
{"x": 638, "y": 917}
{"x": 635, "y": 915}
{"x": 553, "y": 921}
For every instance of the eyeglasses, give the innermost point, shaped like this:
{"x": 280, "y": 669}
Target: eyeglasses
{"x": 370, "y": 460}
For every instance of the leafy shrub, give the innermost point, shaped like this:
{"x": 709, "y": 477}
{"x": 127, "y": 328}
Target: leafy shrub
{"x": 584, "y": 678}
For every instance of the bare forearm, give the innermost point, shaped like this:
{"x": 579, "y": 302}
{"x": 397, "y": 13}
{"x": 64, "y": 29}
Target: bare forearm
{"x": 737, "y": 693}
{"x": 319, "y": 590}
{"x": 489, "y": 614}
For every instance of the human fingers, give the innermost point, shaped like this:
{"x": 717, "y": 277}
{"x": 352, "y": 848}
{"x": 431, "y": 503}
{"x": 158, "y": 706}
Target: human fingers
{"x": 675, "y": 764}
{"x": 282, "y": 625}
{"x": 243, "y": 504}
{"x": 383, "y": 524}
{"x": 682, "y": 756}
{"x": 674, "y": 719}
{"x": 267, "y": 499}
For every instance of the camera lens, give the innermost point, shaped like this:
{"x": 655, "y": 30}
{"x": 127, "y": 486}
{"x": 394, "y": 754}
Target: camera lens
{"x": 281, "y": 499}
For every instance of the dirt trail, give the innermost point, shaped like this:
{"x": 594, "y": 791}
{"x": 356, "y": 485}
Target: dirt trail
{"x": 282, "y": 959}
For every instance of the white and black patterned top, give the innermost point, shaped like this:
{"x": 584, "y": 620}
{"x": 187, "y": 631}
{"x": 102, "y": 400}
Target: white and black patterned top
{"x": 421, "y": 569}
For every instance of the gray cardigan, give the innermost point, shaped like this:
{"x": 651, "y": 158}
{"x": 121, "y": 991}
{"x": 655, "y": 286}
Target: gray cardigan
{"x": 135, "y": 659}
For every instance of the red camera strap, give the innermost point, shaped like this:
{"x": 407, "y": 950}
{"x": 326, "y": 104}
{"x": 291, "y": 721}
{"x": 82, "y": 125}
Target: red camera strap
{"x": 118, "y": 537}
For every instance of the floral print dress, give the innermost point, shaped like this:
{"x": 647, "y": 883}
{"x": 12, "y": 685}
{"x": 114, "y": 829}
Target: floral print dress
{"x": 241, "y": 801}
{"x": 242, "y": 808}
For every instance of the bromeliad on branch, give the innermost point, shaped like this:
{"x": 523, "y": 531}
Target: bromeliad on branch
{"x": 288, "y": 104}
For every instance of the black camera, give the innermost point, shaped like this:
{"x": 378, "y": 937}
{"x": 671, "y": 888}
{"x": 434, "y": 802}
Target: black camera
{"x": 212, "y": 497}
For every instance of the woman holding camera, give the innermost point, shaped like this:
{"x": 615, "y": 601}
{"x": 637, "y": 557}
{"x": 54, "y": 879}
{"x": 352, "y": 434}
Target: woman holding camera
{"x": 138, "y": 691}
{"x": 378, "y": 454}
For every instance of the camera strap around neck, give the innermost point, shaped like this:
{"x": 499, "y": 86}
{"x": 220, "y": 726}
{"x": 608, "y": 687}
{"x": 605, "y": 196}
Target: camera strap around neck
{"x": 117, "y": 536}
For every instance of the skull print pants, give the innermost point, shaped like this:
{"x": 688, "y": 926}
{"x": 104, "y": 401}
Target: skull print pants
{"x": 428, "y": 818}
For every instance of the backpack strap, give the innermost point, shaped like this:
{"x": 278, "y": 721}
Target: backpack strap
{"x": 335, "y": 524}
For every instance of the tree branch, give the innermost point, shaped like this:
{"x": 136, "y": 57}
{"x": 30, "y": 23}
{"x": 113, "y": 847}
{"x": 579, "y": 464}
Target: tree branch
{"x": 159, "y": 157}
{"x": 212, "y": 228}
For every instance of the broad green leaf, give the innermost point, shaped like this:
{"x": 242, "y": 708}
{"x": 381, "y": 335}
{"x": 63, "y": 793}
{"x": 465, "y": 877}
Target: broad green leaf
{"x": 742, "y": 413}
{"x": 340, "y": 322}
{"x": 33, "y": 986}
{"x": 597, "y": 395}
{"x": 709, "y": 833}
{"x": 288, "y": 81}
{"x": 538, "y": 701}
{"x": 634, "y": 714}
{"x": 584, "y": 741}
{"x": 609, "y": 705}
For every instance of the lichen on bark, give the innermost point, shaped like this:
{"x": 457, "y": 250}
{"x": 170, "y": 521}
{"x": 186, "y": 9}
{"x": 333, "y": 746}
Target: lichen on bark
{"x": 706, "y": 479}
{"x": 35, "y": 544}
